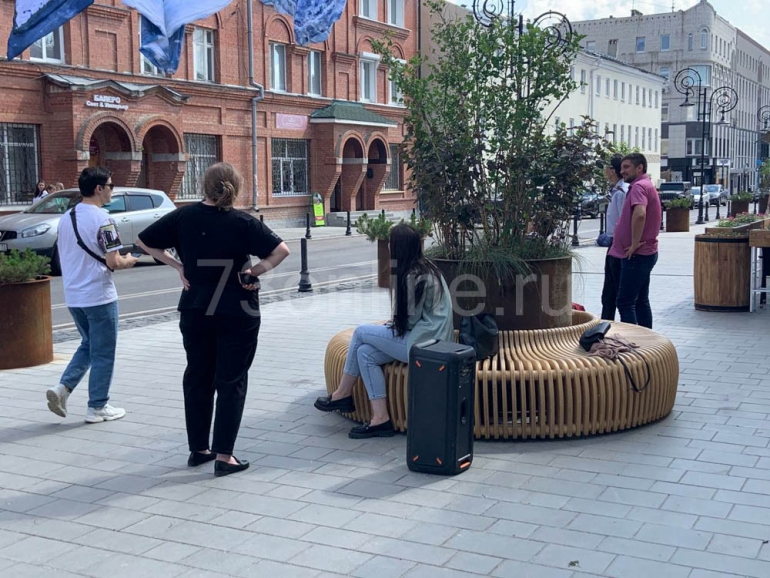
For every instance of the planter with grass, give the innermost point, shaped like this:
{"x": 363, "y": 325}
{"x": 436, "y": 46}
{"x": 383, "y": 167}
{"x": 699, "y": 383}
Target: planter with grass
{"x": 739, "y": 203}
{"x": 26, "y": 332}
{"x": 678, "y": 216}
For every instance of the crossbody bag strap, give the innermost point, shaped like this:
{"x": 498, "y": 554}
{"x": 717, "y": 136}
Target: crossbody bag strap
{"x": 82, "y": 245}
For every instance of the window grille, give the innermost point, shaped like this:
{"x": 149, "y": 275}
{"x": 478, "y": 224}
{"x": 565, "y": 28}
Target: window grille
{"x": 20, "y": 162}
{"x": 202, "y": 152}
{"x": 290, "y": 167}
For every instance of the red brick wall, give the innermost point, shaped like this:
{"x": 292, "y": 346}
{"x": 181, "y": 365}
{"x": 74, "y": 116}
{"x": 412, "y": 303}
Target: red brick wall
{"x": 103, "y": 42}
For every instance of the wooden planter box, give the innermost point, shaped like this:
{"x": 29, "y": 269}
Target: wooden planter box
{"x": 542, "y": 301}
{"x": 739, "y": 207}
{"x": 677, "y": 221}
{"x": 26, "y": 331}
{"x": 722, "y": 271}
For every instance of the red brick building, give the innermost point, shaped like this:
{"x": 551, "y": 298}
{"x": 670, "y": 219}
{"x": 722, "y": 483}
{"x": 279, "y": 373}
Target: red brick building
{"x": 329, "y": 121}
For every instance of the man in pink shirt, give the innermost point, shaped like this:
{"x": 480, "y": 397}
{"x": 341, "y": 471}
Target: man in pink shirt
{"x": 636, "y": 241}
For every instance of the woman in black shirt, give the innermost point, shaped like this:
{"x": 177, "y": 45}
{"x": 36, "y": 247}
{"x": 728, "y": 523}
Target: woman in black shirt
{"x": 219, "y": 313}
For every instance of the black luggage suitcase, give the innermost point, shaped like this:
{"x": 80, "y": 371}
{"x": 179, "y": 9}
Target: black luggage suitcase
{"x": 439, "y": 430}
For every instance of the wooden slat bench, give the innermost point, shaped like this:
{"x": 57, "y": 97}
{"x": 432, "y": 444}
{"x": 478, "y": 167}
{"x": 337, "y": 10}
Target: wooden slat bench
{"x": 543, "y": 385}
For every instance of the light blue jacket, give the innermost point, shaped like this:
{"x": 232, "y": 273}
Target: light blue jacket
{"x": 432, "y": 317}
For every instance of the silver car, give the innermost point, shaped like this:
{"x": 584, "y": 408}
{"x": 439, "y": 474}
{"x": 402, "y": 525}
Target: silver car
{"x": 36, "y": 227}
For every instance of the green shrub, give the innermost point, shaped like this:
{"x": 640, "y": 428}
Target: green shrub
{"x": 16, "y": 267}
{"x": 375, "y": 229}
{"x": 677, "y": 204}
{"x": 742, "y": 196}
{"x": 737, "y": 221}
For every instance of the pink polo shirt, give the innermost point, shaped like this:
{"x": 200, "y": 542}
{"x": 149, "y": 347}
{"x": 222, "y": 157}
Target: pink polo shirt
{"x": 642, "y": 192}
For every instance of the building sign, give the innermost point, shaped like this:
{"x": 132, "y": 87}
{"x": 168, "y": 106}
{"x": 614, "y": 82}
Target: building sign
{"x": 103, "y": 101}
{"x": 290, "y": 122}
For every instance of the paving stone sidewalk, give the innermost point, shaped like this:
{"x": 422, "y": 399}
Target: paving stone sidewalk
{"x": 688, "y": 497}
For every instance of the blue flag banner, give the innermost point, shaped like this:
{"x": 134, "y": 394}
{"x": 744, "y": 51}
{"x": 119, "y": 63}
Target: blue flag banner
{"x": 163, "y": 23}
{"x": 313, "y": 19}
{"x": 35, "y": 19}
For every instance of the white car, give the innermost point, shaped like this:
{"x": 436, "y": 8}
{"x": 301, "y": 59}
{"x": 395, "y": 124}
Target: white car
{"x": 36, "y": 228}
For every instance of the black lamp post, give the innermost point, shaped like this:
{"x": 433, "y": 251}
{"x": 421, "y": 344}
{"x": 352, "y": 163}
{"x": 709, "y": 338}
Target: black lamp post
{"x": 689, "y": 83}
{"x": 487, "y": 12}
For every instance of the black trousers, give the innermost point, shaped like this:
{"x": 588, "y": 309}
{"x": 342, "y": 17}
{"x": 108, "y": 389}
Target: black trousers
{"x": 220, "y": 350}
{"x": 611, "y": 284}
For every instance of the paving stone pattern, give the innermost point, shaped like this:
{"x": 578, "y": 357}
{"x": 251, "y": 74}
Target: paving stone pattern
{"x": 688, "y": 497}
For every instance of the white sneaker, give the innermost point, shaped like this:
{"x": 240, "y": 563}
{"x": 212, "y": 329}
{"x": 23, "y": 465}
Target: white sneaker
{"x": 57, "y": 399}
{"x": 106, "y": 413}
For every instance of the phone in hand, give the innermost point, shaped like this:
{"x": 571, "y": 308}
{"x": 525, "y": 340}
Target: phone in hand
{"x": 247, "y": 278}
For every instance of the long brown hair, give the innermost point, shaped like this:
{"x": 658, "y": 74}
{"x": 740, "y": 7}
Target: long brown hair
{"x": 221, "y": 185}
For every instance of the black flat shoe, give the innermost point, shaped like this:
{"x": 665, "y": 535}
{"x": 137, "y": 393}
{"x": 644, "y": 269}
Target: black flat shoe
{"x": 224, "y": 469}
{"x": 198, "y": 459}
{"x": 344, "y": 405}
{"x": 384, "y": 430}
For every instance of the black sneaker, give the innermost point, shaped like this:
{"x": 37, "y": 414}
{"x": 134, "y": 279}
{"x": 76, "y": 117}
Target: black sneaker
{"x": 384, "y": 430}
{"x": 344, "y": 405}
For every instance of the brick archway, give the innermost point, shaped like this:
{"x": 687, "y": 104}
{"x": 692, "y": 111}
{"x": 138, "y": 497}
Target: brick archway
{"x": 163, "y": 162}
{"x": 353, "y": 173}
{"x": 377, "y": 171}
{"x": 111, "y": 144}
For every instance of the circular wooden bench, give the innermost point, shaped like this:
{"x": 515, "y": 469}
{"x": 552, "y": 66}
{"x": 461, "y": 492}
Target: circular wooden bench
{"x": 543, "y": 385}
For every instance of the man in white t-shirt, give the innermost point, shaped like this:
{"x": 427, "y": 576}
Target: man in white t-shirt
{"x": 89, "y": 251}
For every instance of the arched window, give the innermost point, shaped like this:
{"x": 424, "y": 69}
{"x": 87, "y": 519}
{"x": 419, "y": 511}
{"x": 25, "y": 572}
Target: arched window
{"x": 689, "y": 42}
{"x": 704, "y": 39}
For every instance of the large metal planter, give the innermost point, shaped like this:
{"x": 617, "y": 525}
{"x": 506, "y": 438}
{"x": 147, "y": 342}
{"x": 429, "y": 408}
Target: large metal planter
{"x": 541, "y": 300}
{"x": 26, "y": 331}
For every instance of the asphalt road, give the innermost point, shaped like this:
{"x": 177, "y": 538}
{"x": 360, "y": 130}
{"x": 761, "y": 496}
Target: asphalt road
{"x": 149, "y": 288}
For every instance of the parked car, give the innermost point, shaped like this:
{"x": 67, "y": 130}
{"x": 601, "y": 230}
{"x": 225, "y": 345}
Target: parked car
{"x": 36, "y": 228}
{"x": 717, "y": 194}
{"x": 591, "y": 204}
{"x": 676, "y": 190}
{"x": 696, "y": 197}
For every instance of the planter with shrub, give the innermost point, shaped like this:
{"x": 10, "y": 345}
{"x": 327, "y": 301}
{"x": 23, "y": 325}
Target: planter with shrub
{"x": 26, "y": 331}
{"x": 739, "y": 203}
{"x": 678, "y": 216}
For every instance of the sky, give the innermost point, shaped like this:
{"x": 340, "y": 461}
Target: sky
{"x": 748, "y": 15}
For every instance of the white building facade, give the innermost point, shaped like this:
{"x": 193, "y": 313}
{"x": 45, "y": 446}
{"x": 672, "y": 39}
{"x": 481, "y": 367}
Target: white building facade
{"x": 624, "y": 101}
{"x": 722, "y": 55}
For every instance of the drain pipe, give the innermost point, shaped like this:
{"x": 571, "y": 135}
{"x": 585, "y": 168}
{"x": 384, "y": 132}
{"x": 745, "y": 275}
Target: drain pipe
{"x": 260, "y": 96}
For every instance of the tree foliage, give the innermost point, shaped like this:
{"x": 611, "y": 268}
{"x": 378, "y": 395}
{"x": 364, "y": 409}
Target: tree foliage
{"x": 487, "y": 172}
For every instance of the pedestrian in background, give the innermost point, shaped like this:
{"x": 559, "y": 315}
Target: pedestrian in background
{"x": 39, "y": 193}
{"x": 636, "y": 242}
{"x": 618, "y": 191}
{"x": 219, "y": 308}
{"x": 89, "y": 251}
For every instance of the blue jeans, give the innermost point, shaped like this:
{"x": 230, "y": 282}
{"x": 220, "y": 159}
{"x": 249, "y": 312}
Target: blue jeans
{"x": 372, "y": 347}
{"x": 633, "y": 300}
{"x": 98, "y": 327}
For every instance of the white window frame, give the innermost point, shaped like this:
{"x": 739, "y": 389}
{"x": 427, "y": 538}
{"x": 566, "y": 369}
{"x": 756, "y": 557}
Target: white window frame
{"x": 591, "y": 45}
{"x": 607, "y": 87}
{"x": 373, "y": 60}
{"x": 583, "y": 82}
{"x": 278, "y": 73}
{"x": 598, "y": 85}
{"x": 58, "y": 33}
{"x": 315, "y": 71}
{"x": 643, "y": 41}
{"x": 704, "y": 39}
{"x": 396, "y": 13}
{"x": 665, "y": 46}
{"x": 203, "y": 38}
{"x": 615, "y": 90}
{"x": 368, "y": 9}
{"x": 395, "y": 96}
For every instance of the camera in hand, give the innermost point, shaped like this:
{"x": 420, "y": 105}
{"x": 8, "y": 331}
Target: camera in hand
{"x": 247, "y": 278}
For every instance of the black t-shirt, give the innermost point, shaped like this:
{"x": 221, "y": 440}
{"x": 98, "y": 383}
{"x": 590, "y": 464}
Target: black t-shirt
{"x": 214, "y": 245}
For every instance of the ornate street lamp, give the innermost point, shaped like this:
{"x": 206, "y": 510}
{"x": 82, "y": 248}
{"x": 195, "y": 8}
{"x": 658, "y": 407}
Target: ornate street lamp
{"x": 689, "y": 83}
{"x": 487, "y": 12}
